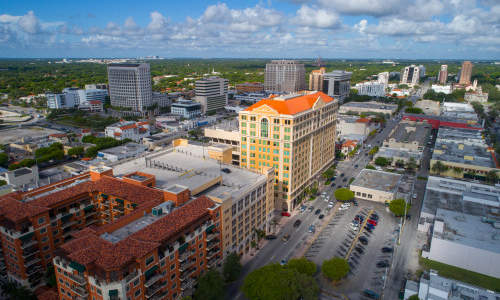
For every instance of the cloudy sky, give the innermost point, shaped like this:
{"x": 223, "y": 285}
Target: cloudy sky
{"x": 237, "y": 28}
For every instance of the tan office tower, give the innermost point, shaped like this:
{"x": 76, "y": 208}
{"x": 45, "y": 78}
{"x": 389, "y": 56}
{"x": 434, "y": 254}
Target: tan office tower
{"x": 316, "y": 79}
{"x": 465, "y": 73}
{"x": 293, "y": 134}
{"x": 285, "y": 76}
{"x": 443, "y": 74}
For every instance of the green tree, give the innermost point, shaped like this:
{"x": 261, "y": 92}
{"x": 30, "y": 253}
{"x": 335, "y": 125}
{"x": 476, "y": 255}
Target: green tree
{"x": 302, "y": 265}
{"x": 4, "y": 160}
{"x": 411, "y": 164}
{"x": 335, "y": 268}
{"x": 382, "y": 161}
{"x": 414, "y": 110}
{"x": 370, "y": 167}
{"x": 210, "y": 286}
{"x": 50, "y": 277}
{"x": 2, "y": 182}
{"x": 397, "y": 207}
{"x": 492, "y": 176}
{"x": 76, "y": 151}
{"x": 439, "y": 167}
{"x": 27, "y": 162}
{"x": 279, "y": 283}
{"x": 329, "y": 173}
{"x": 373, "y": 150}
{"x": 414, "y": 297}
{"x": 17, "y": 292}
{"x": 232, "y": 267}
{"x": 344, "y": 194}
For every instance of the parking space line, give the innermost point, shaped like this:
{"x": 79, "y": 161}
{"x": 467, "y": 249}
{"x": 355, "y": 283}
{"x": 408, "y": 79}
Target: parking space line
{"x": 354, "y": 241}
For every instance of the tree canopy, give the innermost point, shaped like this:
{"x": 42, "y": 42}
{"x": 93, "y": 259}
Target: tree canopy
{"x": 344, "y": 194}
{"x": 397, "y": 207}
{"x": 279, "y": 283}
{"x": 414, "y": 297}
{"x": 302, "y": 265}
{"x": 335, "y": 268}
{"x": 232, "y": 267}
{"x": 382, "y": 161}
{"x": 4, "y": 160}
{"x": 210, "y": 286}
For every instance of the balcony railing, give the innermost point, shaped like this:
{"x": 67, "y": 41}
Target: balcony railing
{"x": 152, "y": 280}
{"x": 131, "y": 276}
{"x": 34, "y": 270}
{"x": 212, "y": 253}
{"x": 212, "y": 244}
{"x": 80, "y": 291}
{"x": 185, "y": 275}
{"x": 160, "y": 296}
{"x": 212, "y": 236}
{"x": 30, "y": 251}
{"x": 187, "y": 284}
{"x": 29, "y": 243}
{"x": 79, "y": 279}
{"x": 155, "y": 288}
{"x": 183, "y": 266}
{"x": 31, "y": 262}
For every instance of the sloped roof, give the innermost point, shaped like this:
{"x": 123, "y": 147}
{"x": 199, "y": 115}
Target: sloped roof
{"x": 293, "y": 105}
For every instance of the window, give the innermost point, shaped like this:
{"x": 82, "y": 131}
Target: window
{"x": 287, "y": 145}
{"x": 243, "y": 132}
{"x": 276, "y": 121}
{"x": 264, "y": 127}
{"x": 287, "y": 129}
{"x": 287, "y": 137}
{"x": 252, "y": 125}
{"x": 287, "y": 122}
{"x": 252, "y": 118}
{"x": 136, "y": 282}
{"x": 252, "y": 133}
{"x": 150, "y": 260}
{"x": 243, "y": 117}
{"x": 137, "y": 293}
{"x": 243, "y": 124}
{"x": 43, "y": 230}
{"x": 41, "y": 220}
{"x": 276, "y": 136}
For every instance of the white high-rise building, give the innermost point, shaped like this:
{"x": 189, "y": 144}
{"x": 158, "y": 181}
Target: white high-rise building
{"x": 383, "y": 78}
{"x": 337, "y": 84}
{"x": 421, "y": 70}
{"x": 130, "y": 85}
{"x": 410, "y": 75}
{"x": 211, "y": 93}
{"x": 371, "y": 88}
{"x": 285, "y": 76}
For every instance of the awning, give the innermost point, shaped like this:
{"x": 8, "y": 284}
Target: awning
{"x": 119, "y": 200}
{"x": 151, "y": 271}
{"x": 113, "y": 293}
{"x": 66, "y": 217}
{"x": 77, "y": 266}
{"x": 89, "y": 208}
{"x": 183, "y": 247}
{"x": 134, "y": 205}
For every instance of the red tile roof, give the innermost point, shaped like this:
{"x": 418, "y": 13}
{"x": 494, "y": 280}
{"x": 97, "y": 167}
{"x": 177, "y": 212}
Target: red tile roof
{"x": 58, "y": 135}
{"x": 363, "y": 120}
{"x": 88, "y": 248}
{"x": 95, "y": 102}
{"x": 15, "y": 210}
{"x": 350, "y": 143}
{"x": 293, "y": 105}
{"x": 126, "y": 127}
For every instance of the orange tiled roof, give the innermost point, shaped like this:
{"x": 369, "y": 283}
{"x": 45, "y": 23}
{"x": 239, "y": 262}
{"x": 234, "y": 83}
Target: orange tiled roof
{"x": 89, "y": 248}
{"x": 46, "y": 294}
{"x": 363, "y": 120}
{"x": 293, "y": 105}
{"x": 349, "y": 143}
{"x": 58, "y": 135}
{"x": 117, "y": 134}
{"x": 15, "y": 210}
{"x": 128, "y": 127}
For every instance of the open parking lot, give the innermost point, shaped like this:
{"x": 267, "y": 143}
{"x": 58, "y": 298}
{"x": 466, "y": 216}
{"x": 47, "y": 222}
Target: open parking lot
{"x": 362, "y": 248}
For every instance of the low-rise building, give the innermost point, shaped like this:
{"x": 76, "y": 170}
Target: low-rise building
{"x": 250, "y": 87}
{"x": 429, "y": 107}
{"x": 348, "y": 146}
{"x": 443, "y": 121}
{"x": 457, "y": 235}
{"x": 374, "y": 185}
{"x": 226, "y": 133}
{"x": 463, "y": 111}
{"x": 462, "y": 153}
{"x": 408, "y": 135}
{"x": 445, "y": 89}
{"x": 371, "y": 88}
{"x": 128, "y": 130}
{"x": 186, "y": 108}
{"x": 251, "y": 97}
{"x": 23, "y": 178}
{"x": 160, "y": 140}
{"x": 349, "y": 126}
{"x": 476, "y": 96}
{"x": 435, "y": 287}
{"x": 467, "y": 197}
{"x": 122, "y": 152}
{"x": 161, "y": 99}
{"x": 368, "y": 107}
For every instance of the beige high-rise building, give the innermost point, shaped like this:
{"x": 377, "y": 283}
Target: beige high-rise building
{"x": 286, "y": 76}
{"x": 316, "y": 79}
{"x": 443, "y": 74}
{"x": 293, "y": 134}
{"x": 465, "y": 73}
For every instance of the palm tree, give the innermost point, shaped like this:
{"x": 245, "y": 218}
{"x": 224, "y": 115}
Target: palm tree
{"x": 457, "y": 170}
{"x": 492, "y": 176}
{"x": 439, "y": 167}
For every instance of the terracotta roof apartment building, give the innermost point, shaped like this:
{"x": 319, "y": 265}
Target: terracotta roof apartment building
{"x": 100, "y": 225}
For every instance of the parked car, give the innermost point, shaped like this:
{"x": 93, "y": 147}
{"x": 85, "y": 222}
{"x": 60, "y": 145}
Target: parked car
{"x": 270, "y": 237}
{"x": 355, "y": 166}
{"x": 382, "y": 264}
{"x": 363, "y": 240}
{"x": 283, "y": 262}
{"x": 355, "y": 202}
{"x": 297, "y": 223}
{"x": 345, "y": 205}
{"x": 311, "y": 208}
{"x": 342, "y": 175}
{"x": 372, "y": 222}
{"x": 317, "y": 211}
{"x": 285, "y": 238}
{"x": 321, "y": 216}
{"x": 345, "y": 179}
{"x": 374, "y": 217}
{"x": 285, "y": 214}
{"x": 387, "y": 250}
{"x": 371, "y": 294}
{"x": 312, "y": 229}
{"x": 359, "y": 250}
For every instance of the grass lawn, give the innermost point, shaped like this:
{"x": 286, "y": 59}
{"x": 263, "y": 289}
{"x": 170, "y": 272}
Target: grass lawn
{"x": 488, "y": 282}
{"x": 89, "y": 121}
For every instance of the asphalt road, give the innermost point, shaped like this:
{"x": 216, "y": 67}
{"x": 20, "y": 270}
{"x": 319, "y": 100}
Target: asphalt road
{"x": 277, "y": 250}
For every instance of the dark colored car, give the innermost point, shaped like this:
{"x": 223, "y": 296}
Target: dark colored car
{"x": 226, "y": 170}
{"x": 270, "y": 237}
{"x": 363, "y": 240}
{"x": 371, "y": 226}
{"x": 344, "y": 180}
{"x": 317, "y": 211}
{"x": 368, "y": 229}
{"x": 342, "y": 175}
{"x": 355, "y": 166}
{"x": 355, "y": 202}
{"x": 371, "y": 294}
{"x": 387, "y": 250}
{"x": 359, "y": 250}
{"x": 382, "y": 264}
{"x": 374, "y": 217}
{"x": 297, "y": 223}
{"x": 321, "y": 216}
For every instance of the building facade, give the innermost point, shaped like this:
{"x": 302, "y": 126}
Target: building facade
{"x": 130, "y": 86}
{"x": 383, "y": 78}
{"x": 211, "y": 93}
{"x": 186, "y": 108}
{"x": 476, "y": 96}
{"x": 465, "y": 73}
{"x": 284, "y": 76}
{"x": 59, "y": 101}
{"x": 295, "y": 135}
{"x": 371, "y": 88}
{"x": 250, "y": 87}
{"x": 128, "y": 130}
{"x": 374, "y": 185}
{"x": 337, "y": 84}
{"x": 316, "y": 79}
{"x": 443, "y": 74}
{"x": 411, "y": 75}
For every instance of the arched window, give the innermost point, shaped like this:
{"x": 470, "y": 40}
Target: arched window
{"x": 264, "y": 128}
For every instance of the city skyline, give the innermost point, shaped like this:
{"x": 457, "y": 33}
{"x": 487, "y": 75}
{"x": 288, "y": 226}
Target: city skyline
{"x": 274, "y": 29}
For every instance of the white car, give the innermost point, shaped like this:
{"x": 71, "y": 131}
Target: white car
{"x": 346, "y": 205}
{"x": 354, "y": 226}
{"x": 343, "y": 208}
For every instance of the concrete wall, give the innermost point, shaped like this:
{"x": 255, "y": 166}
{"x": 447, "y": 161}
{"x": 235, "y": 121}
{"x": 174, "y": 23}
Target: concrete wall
{"x": 465, "y": 257}
{"x": 376, "y": 195}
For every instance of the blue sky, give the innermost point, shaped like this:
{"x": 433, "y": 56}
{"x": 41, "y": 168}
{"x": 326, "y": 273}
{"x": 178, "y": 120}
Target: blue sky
{"x": 407, "y": 29}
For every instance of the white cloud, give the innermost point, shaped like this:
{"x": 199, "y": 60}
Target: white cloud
{"x": 363, "y": 7}
{"x": 316, "y": 17}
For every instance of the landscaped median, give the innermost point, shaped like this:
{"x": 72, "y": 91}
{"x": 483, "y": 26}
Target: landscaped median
{"x": 452, "y": 272}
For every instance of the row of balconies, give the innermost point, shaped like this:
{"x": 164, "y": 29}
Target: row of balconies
{"x": 187, "y": 284}
{"x": 183, "y": 266}
{"x": 80, "y": 291}
{"x": 185, "y": 275}
{"x": 150, "y": 291}
{"x": 153, "y": 279}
